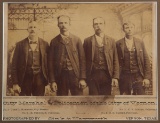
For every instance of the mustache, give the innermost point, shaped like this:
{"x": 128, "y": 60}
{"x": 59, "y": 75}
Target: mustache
{"x": 32, "y": 31}
{"x": 64, "y": 28}
{"x": 98, "y": 29}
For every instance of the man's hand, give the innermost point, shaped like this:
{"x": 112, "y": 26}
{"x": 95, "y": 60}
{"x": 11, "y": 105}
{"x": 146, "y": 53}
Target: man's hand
{"x": 114, "y": 82}
{"x": 11, "y": 91}
{"x": 146, "y": 83}
{"x": 54, "y": 87}
{"x": 82, "y": 84}
{"x": 47, "y": 89}
{"x": 16, "y": 88}
{"x": 115, "y": 87}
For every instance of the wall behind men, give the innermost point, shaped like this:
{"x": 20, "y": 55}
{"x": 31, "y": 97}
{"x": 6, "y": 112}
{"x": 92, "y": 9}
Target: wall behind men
{"x": 82, "y": 16}
{"x": 81, "y": 23}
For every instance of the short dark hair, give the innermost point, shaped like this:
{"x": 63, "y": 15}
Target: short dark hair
{"x": 98, "y": 17}
{"x": 64, "y": 16}
{"x": 128, "y": 23}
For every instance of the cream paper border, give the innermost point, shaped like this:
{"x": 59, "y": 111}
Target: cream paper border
{"x": 155, "y": 64}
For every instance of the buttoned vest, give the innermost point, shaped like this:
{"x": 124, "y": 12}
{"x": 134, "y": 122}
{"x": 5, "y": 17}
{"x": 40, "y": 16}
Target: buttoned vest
{"x": 66, "y": 64}
{"x": 34, "y": 60}
{"x": 130, "y": 60}
{"x": 99, "y": 58}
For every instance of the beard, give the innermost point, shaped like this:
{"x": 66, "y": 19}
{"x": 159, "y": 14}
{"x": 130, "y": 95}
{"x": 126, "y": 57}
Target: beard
{"x": 98, "y": 31}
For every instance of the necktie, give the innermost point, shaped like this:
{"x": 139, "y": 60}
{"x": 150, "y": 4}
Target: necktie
{"x": 33, "y": 42}
{"x": 100, "y": 41}
{"x": 33, "y": 45}
{"x": 66, "y": 39}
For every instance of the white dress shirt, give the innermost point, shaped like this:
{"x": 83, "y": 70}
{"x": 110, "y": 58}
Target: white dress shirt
{"x": 99, "y": 40}
{"x": 129, "y": 43}
{"x": 33, "y": 46}
{"x": 65, "y": 37}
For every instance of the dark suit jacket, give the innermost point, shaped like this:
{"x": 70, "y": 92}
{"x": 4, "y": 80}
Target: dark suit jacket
{"x": 19, "y": 61}
{"x": 110, "y": 55}
{"x": 142, "y": 57}
{"x": 76, "y": 55}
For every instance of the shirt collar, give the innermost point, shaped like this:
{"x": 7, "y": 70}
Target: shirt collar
{"x": 64, "y": 36}
{"x": 128, "y": 40}
{"x": 102, "y": 36}
{"x": 99, "y": 40}
{"x": 32, "y": 40}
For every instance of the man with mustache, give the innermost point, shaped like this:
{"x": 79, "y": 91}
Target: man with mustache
{"x": 67, "y": 67}
{"x": 29, "y": 64}
{"x": 135, "y": 71}
{"x": 102, "y": 65}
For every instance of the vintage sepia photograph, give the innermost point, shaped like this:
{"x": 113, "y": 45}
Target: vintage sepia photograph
{"x": 80, "y": 61}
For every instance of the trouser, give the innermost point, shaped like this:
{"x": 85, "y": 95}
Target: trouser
{"x": 33, "y": 85}
{"x": 131, "y": 83}
{"x": 99, "y": 83}
{"x": 68, "y": 81}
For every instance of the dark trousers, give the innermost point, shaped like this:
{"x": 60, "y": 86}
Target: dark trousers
{"x": 33, "y": 85}
{"x": 68, "y": 81}
{"x": 131, "y": 83}
{"x": 99, "y": 83}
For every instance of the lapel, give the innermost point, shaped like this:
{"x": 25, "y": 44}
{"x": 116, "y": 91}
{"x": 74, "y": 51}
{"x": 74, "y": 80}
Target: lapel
{"x": 68, "y": 45}
{"x": 26, "y": 48}
{"x": 106, "y": 44}
{"x": 41, "y": 47}
{"x": 62, "y": 41}
{"x": 93, "y": 42}
{"x": 70, "y": 40}
{"x": 71, "y": 43}
{"x": 122, "y": 46}
{"x": 137, "y": 46}
{"x": 107, "y": 47}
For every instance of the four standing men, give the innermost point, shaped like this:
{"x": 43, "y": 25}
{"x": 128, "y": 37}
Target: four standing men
{"x": 68, "y": 64}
